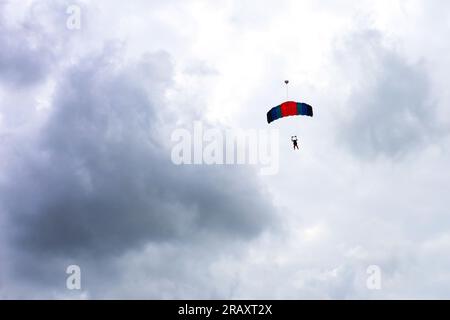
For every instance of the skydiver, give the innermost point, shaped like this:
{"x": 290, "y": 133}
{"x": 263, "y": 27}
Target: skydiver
{"x": 294, "y": 141}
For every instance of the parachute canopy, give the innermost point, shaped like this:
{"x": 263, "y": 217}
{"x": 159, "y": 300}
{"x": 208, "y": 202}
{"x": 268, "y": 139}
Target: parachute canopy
{"x": 289, "y": 108}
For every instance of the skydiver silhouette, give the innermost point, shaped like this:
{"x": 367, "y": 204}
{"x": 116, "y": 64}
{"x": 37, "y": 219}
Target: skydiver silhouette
{"x": 294, "y": 141}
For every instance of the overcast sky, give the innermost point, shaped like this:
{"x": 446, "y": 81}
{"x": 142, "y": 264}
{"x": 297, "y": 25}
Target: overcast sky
{"x": 86, "y": 176}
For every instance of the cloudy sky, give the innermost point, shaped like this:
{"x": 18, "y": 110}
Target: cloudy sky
{"x": 86, "y": 177}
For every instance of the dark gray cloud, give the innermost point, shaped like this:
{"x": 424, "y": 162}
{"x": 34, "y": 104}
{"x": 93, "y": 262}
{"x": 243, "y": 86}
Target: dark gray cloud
{"x": 99, "y": 180}
{"x": 19, "y": 62}
{"x": 27, "y": 53}
{"x": 96, "y": 181}
{"x": 389, "y": 110}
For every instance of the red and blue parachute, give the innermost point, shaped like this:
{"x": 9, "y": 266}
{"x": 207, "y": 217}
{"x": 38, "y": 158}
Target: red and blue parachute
{"x": 289, "y": 108}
